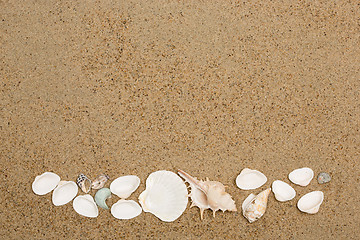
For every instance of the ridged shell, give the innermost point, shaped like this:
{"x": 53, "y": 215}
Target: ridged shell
{"x": 45, "y": 183}
{"x": 250, "y": 179}
{"x": 165, "y": 196}
{"x": 100, "y": 181}
{"x": 86, "y": 206}
{"x": 208, "y": 195}
{"x": 124, "y": 186}
{"x": 283, "y": 191}
{"x": 301, "y": 176}
{"x": 64, "y": 192}
{"x": 125, "y": 209}
{"x": 310, "y": 202}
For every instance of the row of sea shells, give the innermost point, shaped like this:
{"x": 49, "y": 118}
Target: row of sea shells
{"x": 166, "y": 194}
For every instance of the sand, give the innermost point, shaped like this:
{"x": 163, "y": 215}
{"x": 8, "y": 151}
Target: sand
{"x": 211, "y": 87}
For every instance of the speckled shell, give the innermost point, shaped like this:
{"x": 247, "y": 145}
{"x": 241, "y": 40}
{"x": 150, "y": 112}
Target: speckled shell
{"x": 254, "y": 207}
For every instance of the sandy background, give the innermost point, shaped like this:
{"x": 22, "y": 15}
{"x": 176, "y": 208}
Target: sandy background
{"x": 131, "y": 87}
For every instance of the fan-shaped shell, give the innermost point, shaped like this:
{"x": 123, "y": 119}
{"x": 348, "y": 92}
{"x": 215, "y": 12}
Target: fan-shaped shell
{"x": 301, "y": 176}
{"x": 64, "y": 192}
{"x": 310, "y": 202}
{"x": 125, "y": 209}
{"x": 165, "y": 196}
{"x": 283, "y": 191}
{"x": 85, "y": 206}
{"x": 45, "y": 183}
{"x": 250, "y": 179}
{"x": 124, "y": 186}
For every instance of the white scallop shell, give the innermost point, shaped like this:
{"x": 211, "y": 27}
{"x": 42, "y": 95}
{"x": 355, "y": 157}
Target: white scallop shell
{"x": 283, "y": 191}
{"x": 85, "y": 206}
{"x": 301, "y": 176}
{"x": 124, "y": 186}
{"x": 165, "y": 196}
{"x": 310, "y": 202}
{"x": 250, "y": 179}
{"x": 64, "y": 192}
{"x": 45, "y": 183}
{"x": 125, "y": 209}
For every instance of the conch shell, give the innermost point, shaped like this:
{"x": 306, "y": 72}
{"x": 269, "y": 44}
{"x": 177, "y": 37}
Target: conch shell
{"x": 255, "y": 206}
{"x": 208, "y": 195}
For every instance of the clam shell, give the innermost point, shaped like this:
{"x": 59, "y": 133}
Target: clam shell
{"x": 64, "y": 192}
{"x": 250, "y": 179}
{"x": 165, "y": 196}
{"x": 45, "y": 183}
{"x": 254, "y": 207}
{"x": 124, "y": 186}
{"x": 85, "y": 206}
{"x": 125, "y": 209}
{"x": 301, "y": 176}
{"x": 310, "y": 202}
{"x": 283, "y": 191}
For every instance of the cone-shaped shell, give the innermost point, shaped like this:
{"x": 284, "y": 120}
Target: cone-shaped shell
{"x": 125, "y": 209}
{"x": 85, "y": 206}
{"x": 165, "y": 196}
{"x": 45, "y": 183}
{"x": 255, "y": 206}
{"x": 310, "y": 202}
{"x": 301, "y": 176}
{"x": 124, "y": 186}
{"x": 283, "y": 191}
{"x": 250, "y": 179}
{"x": 64, "y": 192}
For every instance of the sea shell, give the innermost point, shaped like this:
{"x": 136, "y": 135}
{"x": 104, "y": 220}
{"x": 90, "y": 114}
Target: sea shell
{"x": 165, "y": 196}
{"x": 310, "y": 202}
{"x": 84, "y": 183}
{"x": 250, "y": 179}
{"x": 301, "y": 176}
{"x": 283, "y": 191}
{"x": 64, "y": 192}
{"x": 100, "y": 181}
{"x": 208, "y": 195}
{"x": 124, "y": 186}
{"x": 125, "y": 209}
{"x": 85, "y": 206}
{"x": 45, "y": 183}
{"x": 254, "y": 207}
{"x": 101, "y": 196}
{"x": 323, "y": 177}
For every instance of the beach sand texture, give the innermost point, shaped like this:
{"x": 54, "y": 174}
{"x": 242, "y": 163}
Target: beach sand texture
{"x": 210, "y": 87}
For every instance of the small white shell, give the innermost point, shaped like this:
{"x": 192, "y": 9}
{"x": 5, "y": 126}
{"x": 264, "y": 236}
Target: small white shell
{"x": 124, "y": 186}
{"x": 283, "y": 191}
{"x": 85, "y": 206}
{"x": 125, "y": 209}
{"x": 64, "y": 192}
{"x": 310, "y": 202}
{"x": 45, "y": 183}
{"x": 250, "y": 179}
{"x": 301, "y": 176}
{"x": 165, "y": 196}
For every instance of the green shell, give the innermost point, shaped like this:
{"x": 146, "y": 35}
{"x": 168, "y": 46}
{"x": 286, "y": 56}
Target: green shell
{"x": 101, "y": 196}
